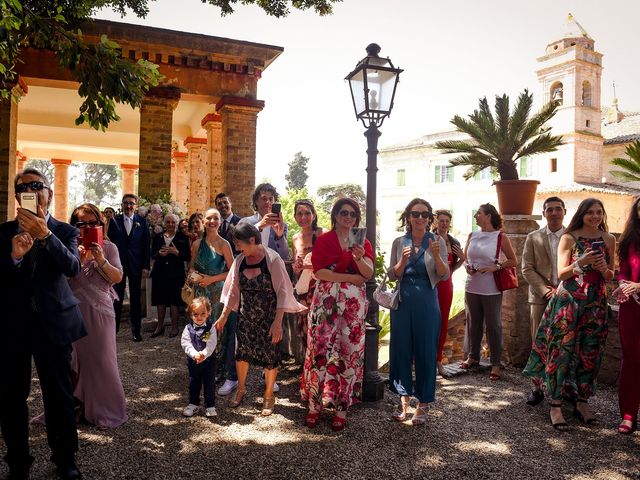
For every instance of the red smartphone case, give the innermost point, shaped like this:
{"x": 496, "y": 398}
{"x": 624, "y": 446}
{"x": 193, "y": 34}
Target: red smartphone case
{"x": 91, "y": 235}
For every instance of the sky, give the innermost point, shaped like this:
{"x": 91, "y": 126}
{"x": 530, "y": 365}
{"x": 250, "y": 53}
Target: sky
{"x": 452, "y": 52}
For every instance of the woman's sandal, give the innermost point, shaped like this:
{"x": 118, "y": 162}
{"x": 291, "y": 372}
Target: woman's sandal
{"x": 495, "y": 376}
{"x": 420, "y": 415}
{"x": 577, "y": 414}
{"x": 468, "y": 364}
{"x": 628, "y": 429}
{"x": 312, "y": 418}
{"x": 338, "y": 423}
{"x": 267, "y": 406}
{"x": 559, "y": 426}
{"x": 400, "y": 415}
{"x": 237, "y": 398}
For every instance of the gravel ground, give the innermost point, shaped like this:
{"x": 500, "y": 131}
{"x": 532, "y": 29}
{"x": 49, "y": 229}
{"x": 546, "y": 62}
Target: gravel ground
{"x": 477, "y": 429}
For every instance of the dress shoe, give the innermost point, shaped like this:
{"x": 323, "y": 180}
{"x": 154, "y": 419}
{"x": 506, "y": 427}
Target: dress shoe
{"x": 69, "y": 472}
{"x": 137, "y": 337}
{"x": 535, "y": 397}
{"x": 20, "y": 470}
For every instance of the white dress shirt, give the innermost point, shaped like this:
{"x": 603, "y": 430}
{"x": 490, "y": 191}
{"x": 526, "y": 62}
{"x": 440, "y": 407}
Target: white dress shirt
{"x": 128, "y": 223}
{"x": 554, "y": 241}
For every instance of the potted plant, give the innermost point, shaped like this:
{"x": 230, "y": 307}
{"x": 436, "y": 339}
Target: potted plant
{"x": 498, "y": 141}
{"x": 630, "y": 166}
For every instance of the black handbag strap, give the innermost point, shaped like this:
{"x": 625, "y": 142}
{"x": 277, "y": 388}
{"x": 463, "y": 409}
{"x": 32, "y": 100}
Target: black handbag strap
{"x": 498, "y": 247}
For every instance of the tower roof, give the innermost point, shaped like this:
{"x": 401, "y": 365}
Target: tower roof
{"x": 574, "y": 29}
{"x": 574, "y": 35}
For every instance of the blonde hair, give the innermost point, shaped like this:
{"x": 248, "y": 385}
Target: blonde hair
{"x": 198, "y": 301}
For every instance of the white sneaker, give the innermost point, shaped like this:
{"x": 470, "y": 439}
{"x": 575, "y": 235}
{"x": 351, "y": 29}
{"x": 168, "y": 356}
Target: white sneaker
{"x": 227, "y": 387}
{"x": 190, "y": 409}
{"x": 210, "y": 412}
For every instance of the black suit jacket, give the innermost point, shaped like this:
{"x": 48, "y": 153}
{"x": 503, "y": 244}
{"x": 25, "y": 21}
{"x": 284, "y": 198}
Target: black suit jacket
{"x": 58, "y": 316}
{"x": 135, "y": 248}
{"x": 227, "y": 236}
{"x": 170, "y": 265}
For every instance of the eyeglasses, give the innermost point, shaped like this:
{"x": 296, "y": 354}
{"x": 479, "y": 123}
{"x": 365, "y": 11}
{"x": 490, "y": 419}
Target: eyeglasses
{"x": 128, "y": 203}
{"x": 348, "y": 213}
{"x": 95, "y": 223}
{"x": 425, "y": 215}
{"x": 35, "y": 186}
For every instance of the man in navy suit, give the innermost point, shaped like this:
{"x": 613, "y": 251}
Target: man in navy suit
{"x": 40, "y": 320}
{"x": 229, "y": 219}
{"x": 130, "y": 232}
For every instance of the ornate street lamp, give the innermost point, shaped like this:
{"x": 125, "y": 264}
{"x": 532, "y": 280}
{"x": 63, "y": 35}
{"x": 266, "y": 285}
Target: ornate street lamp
{"x": 373, "y": 87}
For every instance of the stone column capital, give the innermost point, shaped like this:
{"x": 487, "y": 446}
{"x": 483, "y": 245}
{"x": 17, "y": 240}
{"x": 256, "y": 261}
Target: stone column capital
{"x": 179, "y": 156}
{"x": 192, "y": 142}
{"x": 129, "y": 166}
{"x": 211, "y": 121}
{"x": 229, "y": 102}
{"x": 60, "y": 161}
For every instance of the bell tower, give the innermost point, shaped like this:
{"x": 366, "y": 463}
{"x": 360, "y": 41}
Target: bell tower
{"x": 570, "y": 74}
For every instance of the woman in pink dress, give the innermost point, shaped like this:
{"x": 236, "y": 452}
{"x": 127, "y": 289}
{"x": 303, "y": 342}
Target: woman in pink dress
{"x": 94, "y": 359}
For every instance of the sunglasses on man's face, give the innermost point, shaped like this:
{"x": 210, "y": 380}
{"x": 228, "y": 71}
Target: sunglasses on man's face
{"x": 348, "y": 213}
{"x": 35, "y": 186}
{"x": 425, "y": 215}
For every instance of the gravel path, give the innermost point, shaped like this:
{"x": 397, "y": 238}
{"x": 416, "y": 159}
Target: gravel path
{"x": 477, "y": 429}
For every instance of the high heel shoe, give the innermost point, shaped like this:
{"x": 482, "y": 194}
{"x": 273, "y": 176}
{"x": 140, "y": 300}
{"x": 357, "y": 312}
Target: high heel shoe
{"x": 400, "y": 415}
{"x": 237, "y": 398}
{"x": 420, "y": 415}
{"x": 312, "y": 418}
{"x": 626, "y": 429}
{"x": 267, "y": 406}
{"x": 468, "y": 364}
{"x": 561, "y": 426}
{"x": 577, "y": 414}
{"x": 338, "y": 423}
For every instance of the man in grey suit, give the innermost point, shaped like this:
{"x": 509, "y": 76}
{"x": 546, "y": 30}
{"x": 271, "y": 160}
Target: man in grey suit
{"x": 540, "y": 269}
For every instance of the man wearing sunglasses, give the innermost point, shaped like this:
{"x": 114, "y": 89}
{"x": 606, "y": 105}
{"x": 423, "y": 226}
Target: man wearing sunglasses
{"x": 41, "y": 320}
{"x": 130, "y": 232}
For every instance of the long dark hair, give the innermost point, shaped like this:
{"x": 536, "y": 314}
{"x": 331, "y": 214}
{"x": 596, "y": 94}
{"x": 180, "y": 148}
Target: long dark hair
{"x": 404, "y": 217}
{"x": 577, "y": 221}
{"x": 314, "y": 225}
{"x": 631, "y": 233}
{"x": 335, "y": 210}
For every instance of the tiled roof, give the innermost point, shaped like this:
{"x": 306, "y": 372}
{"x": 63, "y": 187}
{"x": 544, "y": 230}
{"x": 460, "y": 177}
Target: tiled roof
{"x": 626, "y": 130}
{"x": 589, "y": 187}
{"x": 632, "y": 137}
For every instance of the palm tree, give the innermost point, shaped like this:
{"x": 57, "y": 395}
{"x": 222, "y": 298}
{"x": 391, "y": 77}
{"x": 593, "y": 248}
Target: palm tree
{"x": 630, "y": 166}
{"x": 499, "y": 142}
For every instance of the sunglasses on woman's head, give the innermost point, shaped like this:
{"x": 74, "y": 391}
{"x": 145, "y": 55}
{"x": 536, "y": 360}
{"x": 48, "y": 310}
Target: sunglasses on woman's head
{"x": 35, "y": 186}
{"x": 416, "y": 214}
{"x": 348, "y": 213}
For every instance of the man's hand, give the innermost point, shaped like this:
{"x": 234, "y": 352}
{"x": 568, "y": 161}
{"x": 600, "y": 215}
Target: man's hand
{"x": 549, "y": 293}
{"x": 35, "y": 225}
{"x": 20, "y": 245}
{"x": 145, "y": 273}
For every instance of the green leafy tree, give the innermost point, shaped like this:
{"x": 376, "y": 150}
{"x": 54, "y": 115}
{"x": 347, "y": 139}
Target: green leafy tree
{"x": 99, "y": 183}
{"x": 43, "y": 166}
{"x": 105, "y": 78}
{"x": 630, "y": 166}
{"x": 330, "y": 193}
{"x": 499, "y": 141}
{"x": 297, "y": 176}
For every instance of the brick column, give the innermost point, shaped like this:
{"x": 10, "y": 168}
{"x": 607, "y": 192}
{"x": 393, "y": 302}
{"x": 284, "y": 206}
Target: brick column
{"x": 61, "y": 188}
{"x": 198, "y": 158}
{"x": 128, "y": 178}
{"x": 8, "y": 138}
{"x": 182, "y": 180}
{"x": 156, "y": 119}
{"x": 239, "y": 117}
{"x": 212, "y": 123}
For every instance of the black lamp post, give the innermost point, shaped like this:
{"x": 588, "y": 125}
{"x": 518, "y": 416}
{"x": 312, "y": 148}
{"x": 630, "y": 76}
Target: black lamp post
{"x": 373, "y": 86}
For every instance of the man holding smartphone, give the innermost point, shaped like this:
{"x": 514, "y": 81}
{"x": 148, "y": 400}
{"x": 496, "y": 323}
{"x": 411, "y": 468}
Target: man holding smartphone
{"x": 540, "y": 269}
{"x": 268, "y": 219}
{"x": 41, "y": 320}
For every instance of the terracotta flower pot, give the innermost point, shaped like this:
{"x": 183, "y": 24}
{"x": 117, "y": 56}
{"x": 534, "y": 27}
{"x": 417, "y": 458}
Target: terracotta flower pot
{"x": 516, "y": 197}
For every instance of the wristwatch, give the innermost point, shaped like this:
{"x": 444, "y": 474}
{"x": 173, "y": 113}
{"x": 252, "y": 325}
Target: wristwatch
{"x": 43, "y": 239}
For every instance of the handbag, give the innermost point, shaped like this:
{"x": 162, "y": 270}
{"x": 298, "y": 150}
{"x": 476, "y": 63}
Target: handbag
{"x": 187, "y": 293}
{"x": 506, "y": 278}
{"x": 385, "y": 298}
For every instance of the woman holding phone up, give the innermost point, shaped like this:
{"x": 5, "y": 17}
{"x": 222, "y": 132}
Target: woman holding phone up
{"x": 568, "y": 347}
{"x": 94, "y": 359}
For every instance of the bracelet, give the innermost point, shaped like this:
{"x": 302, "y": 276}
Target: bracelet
{"x": 576, "y": 268}
{"x": 103, "y": 263}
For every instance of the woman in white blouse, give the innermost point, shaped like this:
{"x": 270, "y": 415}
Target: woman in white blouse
{"x": 482, "y": 298}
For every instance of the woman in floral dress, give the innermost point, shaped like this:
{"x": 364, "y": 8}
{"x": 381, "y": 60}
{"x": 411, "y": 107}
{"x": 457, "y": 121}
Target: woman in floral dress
{"x": 211, "y": 259}
{"x": 333, "y": 366}
{"x": 259, "y": 289}
{"x": 569, "y": 344}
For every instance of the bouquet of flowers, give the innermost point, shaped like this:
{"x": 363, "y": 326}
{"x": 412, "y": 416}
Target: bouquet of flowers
{"x": 155, "y": 211}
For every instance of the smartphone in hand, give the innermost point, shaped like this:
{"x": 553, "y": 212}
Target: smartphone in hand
{"x": 598, "y": 246}
{"x": 91, "y": 235}
{"x": 29, "y": 201}
{"x": 276, "y": 208}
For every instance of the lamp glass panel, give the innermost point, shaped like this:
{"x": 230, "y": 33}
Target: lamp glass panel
{"x": 356, "y": 83}
{"x": 381, "y": 84}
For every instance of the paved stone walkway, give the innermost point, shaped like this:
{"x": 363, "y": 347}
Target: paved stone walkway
{"x": 477, "y": 429}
